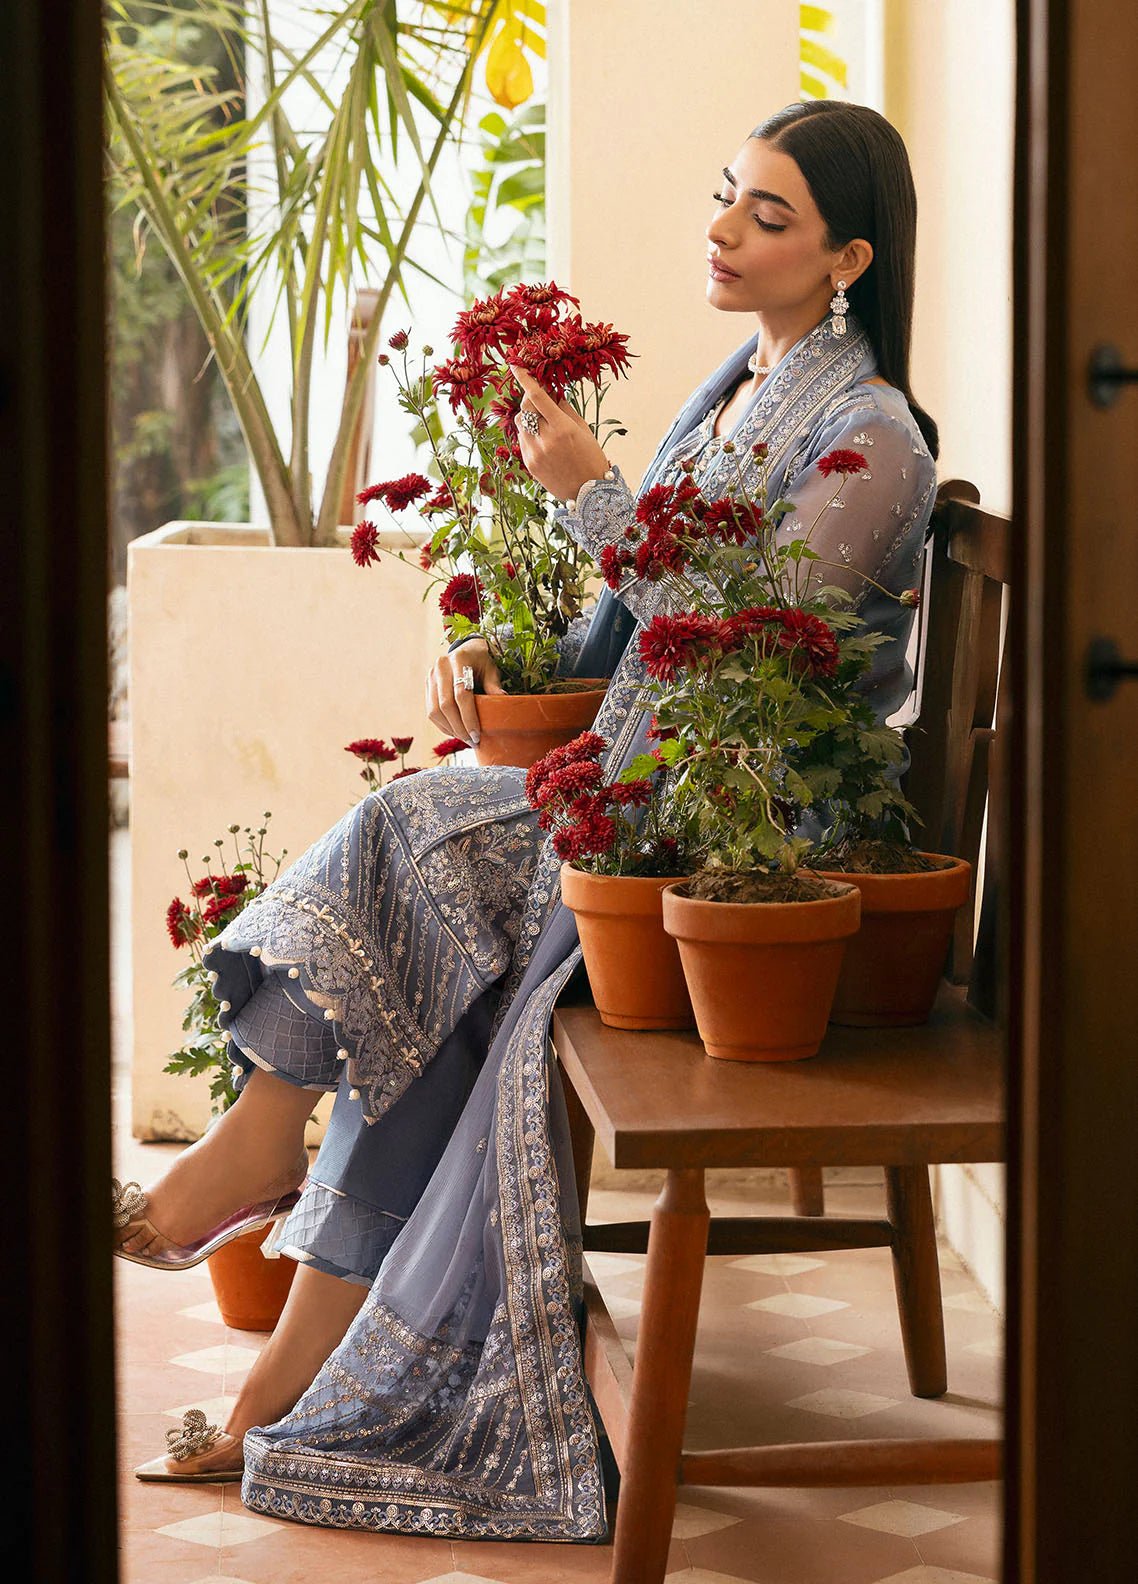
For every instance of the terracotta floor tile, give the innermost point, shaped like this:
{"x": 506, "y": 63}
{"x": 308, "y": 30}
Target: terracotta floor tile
{"x": 546, "y": 1564}
{"x": 973, "y": 1546}
{"x": 301, "y": 1554}
{"x": 146, "y": 1558}
{"x": 778, "y": 1549}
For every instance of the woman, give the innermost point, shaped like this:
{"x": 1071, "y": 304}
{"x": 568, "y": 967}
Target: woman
{"x": 411, "y": 958}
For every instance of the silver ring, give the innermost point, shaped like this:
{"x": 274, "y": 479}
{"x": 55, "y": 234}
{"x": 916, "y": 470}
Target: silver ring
{"x": 466, "y": 679}
{"x": 529, "y": 421}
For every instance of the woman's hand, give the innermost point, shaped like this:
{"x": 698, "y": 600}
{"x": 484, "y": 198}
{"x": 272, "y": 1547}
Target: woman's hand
{"x": 564, "y": 451}
{"x": 450, "y": 706}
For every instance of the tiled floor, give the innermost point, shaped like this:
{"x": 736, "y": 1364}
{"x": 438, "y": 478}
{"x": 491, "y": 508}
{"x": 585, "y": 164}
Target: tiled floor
{"x": 790, "y": 1348}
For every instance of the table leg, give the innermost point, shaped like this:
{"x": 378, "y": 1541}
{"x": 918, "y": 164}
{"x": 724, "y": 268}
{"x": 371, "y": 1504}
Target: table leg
{"x": 581, "y": 1135}
{"x": 661, "y": 1376}
{"x": 916, "y": 1275}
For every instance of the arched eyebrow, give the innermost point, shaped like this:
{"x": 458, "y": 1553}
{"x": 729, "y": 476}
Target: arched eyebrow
{"x": 761, "y": 192}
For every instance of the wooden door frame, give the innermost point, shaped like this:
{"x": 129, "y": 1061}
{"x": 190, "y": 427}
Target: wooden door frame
{"x": 1072, "y": 1448}
{"x": 58, "y": 1388}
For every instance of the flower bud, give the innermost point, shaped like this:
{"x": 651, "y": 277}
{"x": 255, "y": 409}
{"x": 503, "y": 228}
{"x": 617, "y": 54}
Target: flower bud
{"x": 182, "y": 853}
{"x": 760, "y": 449}
{"x": 428, "y": 351}
{"x": 233, "y": 829}
{"x": 398, "y": 341}
{"x": 383, "y": 360}
{"x": 729, "y": 447}
{"x": 687, "y": 465}
{"x": 910, "y": 597}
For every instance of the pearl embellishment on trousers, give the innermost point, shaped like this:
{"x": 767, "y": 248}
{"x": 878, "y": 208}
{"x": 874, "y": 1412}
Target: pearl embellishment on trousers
{"x": 353, "y": 1094}
{"x": 294, "y": 973}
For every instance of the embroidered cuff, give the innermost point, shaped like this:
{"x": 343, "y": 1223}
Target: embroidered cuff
{"x": 601, "y": 512}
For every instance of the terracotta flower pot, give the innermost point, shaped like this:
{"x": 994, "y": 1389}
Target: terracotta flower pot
{"x": 894, "y": 963}
{"x": 762, "y": 975}
{"x": 633, "y": 964}
{"x": 518, "y": 728}
{"x": 250, "y": 1289}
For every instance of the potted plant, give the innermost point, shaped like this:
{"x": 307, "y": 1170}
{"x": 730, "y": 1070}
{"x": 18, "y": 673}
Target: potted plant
{"x": 250, "y": 1286}
{"x": 508, "y": 571}
{"x": 256, "y": 208}
{"x": 756, "y": 686}
{"x": 620, "y": 851}
{"x": 909, "y": 900}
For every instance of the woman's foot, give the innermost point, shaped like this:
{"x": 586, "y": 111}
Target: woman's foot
{"x": 319, "y": 1310}
{"x": 253, "y": 1154}
{"x": 219, "y": 1461}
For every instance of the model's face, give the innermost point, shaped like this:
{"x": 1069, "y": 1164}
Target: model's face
{"x": 767, "y": 230}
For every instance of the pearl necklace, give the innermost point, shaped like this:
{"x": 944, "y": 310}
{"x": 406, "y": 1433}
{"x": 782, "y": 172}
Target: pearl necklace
{"x": 756, "y": 367}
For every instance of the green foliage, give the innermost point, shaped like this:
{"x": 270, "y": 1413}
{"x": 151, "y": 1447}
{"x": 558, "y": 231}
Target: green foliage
{"x": 205, "y": 1051}
{"x": 509, "y": 185}
{"x": 185, "y": 149}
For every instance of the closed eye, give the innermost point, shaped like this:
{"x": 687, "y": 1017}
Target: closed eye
{"x": 765, "y": 225}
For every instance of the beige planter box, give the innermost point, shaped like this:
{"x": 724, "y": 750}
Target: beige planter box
{"x": 251, "y": 667}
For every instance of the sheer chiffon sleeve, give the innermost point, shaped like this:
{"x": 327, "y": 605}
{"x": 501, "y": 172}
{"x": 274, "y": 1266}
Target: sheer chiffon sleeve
{"x": 863, "y": 528}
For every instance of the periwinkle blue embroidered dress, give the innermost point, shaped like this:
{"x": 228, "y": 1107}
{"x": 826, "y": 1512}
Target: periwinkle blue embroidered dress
{"x": 410, "y": 961}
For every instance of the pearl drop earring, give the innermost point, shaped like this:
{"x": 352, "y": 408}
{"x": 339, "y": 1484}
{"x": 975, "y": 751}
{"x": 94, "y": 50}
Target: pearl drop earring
{"x": 840, "y": 307}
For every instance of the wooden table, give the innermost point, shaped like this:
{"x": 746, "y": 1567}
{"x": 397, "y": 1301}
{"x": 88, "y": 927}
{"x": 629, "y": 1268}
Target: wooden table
{"x": 896, "y": 1098}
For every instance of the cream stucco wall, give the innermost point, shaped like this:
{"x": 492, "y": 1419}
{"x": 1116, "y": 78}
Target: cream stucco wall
{"x": 647, "y": 100}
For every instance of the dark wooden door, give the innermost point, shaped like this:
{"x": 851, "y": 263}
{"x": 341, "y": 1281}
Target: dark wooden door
{"x": 1072, "y": 940}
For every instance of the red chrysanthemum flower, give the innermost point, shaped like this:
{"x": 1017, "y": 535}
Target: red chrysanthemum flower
{"x": 486, "y": 325}
{"x": 601, "y": 349}
{"x": 448, "y": 746}
{"x": 402, "y": 492}
{"x": 409, "y": 770}
{"x": 442, "y": 500}
{"x": 461, "y": 596}
{"x": 669, "y": 643}
{"x": 426, "y": 559}
{"x": 840, "y": 461}
{"x": 463, "y": 381}
{"x": 402, "y": 744}
{"x": 811, "y": 640}
{"x": 365, "y": 537}
{"x": 630, "y": 794}
{"x": 509, "y": 569}
{"x": 503, "y": 453}
{"x": 398, "y": 341}
{"x": 373, "y": 750}
{"x": 214, "y": 912}
{"x": 656, "y": 507}
{"x": 587, "y": 838}
{"x": 373, "y": 492}
{"x": 181, "y": 925}
{"x": 614, "y": 561}
{"x": 538, "y": 305}
{"x": 661, "y": 733}
{"x": 221, "y": 885}
{"x": 568, "y": 781}
{"x": 753, "y": 622}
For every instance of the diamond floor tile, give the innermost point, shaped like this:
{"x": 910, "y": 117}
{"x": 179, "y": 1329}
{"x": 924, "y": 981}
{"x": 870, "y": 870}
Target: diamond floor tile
{"x": 799, "y": 1306}
{"x": 902, "y": 1518}
{"x": 203, "y": 1311}
{"x": 777, "y": 1264}
{"x": 935, "y": 1575}
{"x": 837, "y": 1404}
{"x": 226, "y": 1359}
{"x": 818, "y": 1350}
{"x": 216, "y": 1409}
{"x": 691, "y": 1521}
{"x": 218, "y": 1529}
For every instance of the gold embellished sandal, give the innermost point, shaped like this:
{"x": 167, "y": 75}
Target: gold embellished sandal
{"x": 128, "y": 1207}
{"x": 192, "y": 1440}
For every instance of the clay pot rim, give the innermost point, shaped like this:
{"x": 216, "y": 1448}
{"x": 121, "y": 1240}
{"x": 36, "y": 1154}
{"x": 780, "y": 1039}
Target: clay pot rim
{"x": 927, "y": 890}
{"x": 761, "y": 922}
{"x": 612, "y": 895}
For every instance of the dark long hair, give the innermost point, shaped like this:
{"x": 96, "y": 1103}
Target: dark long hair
{"x": 857, "y": 169}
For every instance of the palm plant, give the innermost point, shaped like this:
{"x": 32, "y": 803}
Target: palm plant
{"x": 188, "y": 156}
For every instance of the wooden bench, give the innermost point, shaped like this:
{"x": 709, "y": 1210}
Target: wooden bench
{"x": 897, "y": 1098}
